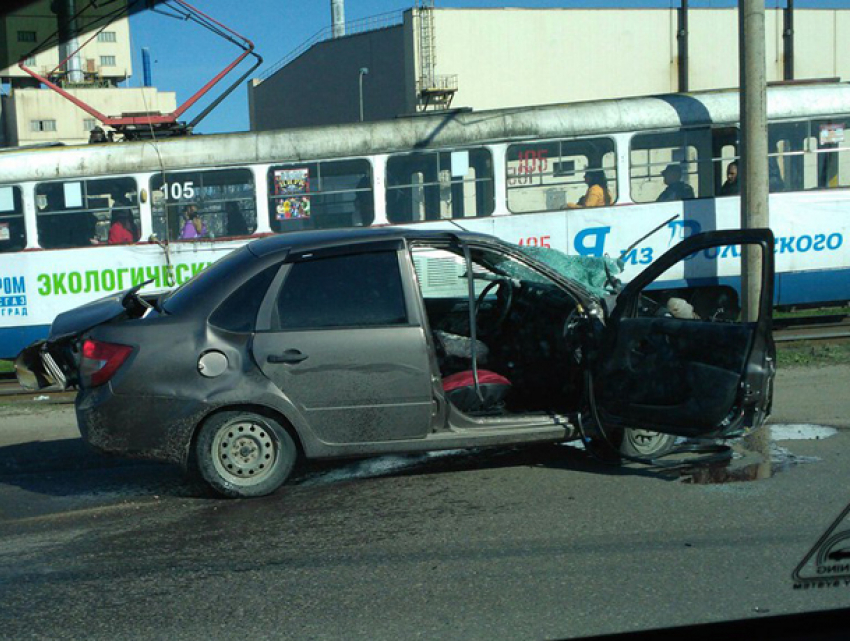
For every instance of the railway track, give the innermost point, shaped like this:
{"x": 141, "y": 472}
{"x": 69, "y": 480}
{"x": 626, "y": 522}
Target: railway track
{"x": 834, "y": 327}
{"x": 812, "y": 328}
{"x": 11, "y": 391}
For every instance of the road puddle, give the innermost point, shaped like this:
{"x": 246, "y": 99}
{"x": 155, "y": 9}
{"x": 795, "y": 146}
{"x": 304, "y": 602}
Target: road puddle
{"x": 739, "y": 469}
{"x": 728, "y": 473}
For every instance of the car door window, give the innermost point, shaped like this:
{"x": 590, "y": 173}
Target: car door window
{"x": 342, "y": 291}
{"x": 699, "y": 288}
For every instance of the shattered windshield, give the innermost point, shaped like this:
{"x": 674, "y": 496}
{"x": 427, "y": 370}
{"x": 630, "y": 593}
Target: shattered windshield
{"x": 596, "y": 275}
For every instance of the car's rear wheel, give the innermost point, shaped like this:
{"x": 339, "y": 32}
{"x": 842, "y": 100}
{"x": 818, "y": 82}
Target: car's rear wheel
{"x": 645, "y": 443}
{"x": 243, "y": 454}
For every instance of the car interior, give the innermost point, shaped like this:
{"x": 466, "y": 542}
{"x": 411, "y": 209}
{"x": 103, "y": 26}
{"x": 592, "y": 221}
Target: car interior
{"x": 527, "y": 357}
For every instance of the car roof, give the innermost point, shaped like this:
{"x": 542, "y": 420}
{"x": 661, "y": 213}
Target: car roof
{"x": 302, "y": 240}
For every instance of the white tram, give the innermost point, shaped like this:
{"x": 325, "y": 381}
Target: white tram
{"x": 515, "y": 173}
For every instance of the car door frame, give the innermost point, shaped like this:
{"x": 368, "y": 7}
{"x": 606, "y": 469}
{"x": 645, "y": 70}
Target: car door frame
{"x": 753, "y": 400}
{"x": 265, "y": 324}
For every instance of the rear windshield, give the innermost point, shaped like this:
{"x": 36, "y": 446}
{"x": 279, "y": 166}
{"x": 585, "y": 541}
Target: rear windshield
{"x": 206, "y": 281}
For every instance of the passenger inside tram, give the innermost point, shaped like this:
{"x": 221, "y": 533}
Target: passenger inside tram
{"x": 123, "y": 230}
{"x": 236, "y": 225}
{"x": 676, "y": 188}
{"x": 597, "y": 194}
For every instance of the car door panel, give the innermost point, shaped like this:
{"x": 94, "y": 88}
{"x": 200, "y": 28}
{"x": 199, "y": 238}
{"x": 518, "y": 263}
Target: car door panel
{"x": 353, "y": 385}
{"x": 672, "y": 372}
{"x": 691, "y": 377}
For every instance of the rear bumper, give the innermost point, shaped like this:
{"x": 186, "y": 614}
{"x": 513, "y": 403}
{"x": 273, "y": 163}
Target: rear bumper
{"x": 152, "y": 427}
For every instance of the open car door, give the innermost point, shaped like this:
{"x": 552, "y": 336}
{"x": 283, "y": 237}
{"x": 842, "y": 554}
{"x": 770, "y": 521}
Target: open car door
{"x": 707, "y": 373}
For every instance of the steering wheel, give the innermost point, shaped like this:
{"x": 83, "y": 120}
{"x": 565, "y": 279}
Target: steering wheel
{"x": 503, "y": 304}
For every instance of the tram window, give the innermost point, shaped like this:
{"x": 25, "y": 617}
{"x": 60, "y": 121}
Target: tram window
{"x": 658, "y": 159}
{"x": 439, "y": 185}
{"x": 80, "y": 213}
{"x": 831, "y": 139}
{"x": 789, "y": 168}
{"x": 724, "y": 142}
{"x": 321, "y": 195}
{"x": 13, "y": 235}
{"x": 547, "y": 176}
{"x": 225, "y": 200}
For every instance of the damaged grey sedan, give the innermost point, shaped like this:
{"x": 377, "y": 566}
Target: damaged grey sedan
{"x": 349, "y": 343}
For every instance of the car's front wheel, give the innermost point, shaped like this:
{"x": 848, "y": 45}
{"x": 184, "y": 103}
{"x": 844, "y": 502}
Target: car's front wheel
{"x": 243, "y": 454}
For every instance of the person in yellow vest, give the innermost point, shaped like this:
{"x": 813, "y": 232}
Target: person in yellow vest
{"x": 597, "y": 194}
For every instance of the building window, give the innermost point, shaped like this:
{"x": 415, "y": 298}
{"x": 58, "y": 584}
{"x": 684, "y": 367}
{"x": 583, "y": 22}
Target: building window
{"x": 107, "y": 61}
{"x": 89, "y": 124}
{"x": 42, "y": 125}
{"x": 26, "y": 36}
{"x": 106, "y": 36}
{"x": 30, "y": 62}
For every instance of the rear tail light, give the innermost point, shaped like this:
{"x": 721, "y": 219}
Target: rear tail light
{"x": 101, "y": 360}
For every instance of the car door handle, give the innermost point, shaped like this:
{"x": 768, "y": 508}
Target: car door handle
{"x": 289, "y": 356}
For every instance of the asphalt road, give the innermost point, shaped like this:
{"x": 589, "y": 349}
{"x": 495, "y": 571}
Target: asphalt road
{"x": 529, "y": 543}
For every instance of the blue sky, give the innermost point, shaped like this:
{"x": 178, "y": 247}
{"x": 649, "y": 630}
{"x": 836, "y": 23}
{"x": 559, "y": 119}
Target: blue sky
{"x": 186, "y": 56}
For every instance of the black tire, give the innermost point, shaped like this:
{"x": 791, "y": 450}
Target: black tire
{"x": 645, "y": 444}
{"x": 243, "y": 454}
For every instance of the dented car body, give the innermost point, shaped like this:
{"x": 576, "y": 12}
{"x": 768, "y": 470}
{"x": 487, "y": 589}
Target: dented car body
{"x": 360, "y": 342}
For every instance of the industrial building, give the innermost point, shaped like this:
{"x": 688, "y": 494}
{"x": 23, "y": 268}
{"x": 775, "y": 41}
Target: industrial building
{"x": 429, "y": 58}
{"x": 31, "y": 114}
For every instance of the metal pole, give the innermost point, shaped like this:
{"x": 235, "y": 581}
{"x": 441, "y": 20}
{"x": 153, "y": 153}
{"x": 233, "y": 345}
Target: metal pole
{"x": 754, "y": 168}
{"x": 788, "y": 41}
{"x": 682, "y": 37}
{"x": 363, "y": 72}
{"x": 66, "y": 15}
{"x": 338, "y": 18}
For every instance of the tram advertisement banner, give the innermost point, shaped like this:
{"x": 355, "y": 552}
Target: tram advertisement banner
{"x": 291, "y": 191}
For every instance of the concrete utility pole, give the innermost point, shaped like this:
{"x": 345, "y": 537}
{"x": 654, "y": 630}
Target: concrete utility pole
{"x": 754, "y": 163}
{"x": 754, "y": 170}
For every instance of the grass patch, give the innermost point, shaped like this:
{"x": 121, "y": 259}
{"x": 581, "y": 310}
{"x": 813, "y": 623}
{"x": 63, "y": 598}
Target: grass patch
{"x": 6, "y": 366}
{"x": 813, "y": 312}
{"x": 812, "y": 353}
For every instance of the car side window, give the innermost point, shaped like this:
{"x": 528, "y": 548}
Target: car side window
{"x": 238, "y": 312}
{"x": 672, "y": 294}
{"x": 342, "y": 291}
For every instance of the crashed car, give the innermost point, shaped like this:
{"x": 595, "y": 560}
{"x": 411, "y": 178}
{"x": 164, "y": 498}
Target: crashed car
{"x": 346, "y": 343}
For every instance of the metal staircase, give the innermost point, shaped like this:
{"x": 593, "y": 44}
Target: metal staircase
{"x": 433, "y": 90}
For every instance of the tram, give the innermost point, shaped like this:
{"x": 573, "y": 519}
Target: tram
{"x": 78, "y": 223}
